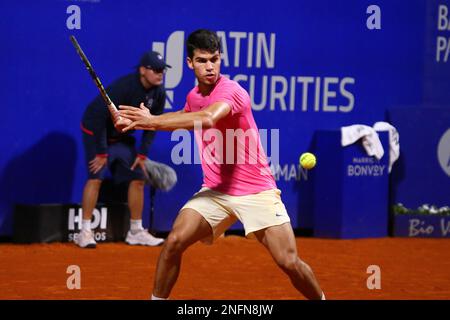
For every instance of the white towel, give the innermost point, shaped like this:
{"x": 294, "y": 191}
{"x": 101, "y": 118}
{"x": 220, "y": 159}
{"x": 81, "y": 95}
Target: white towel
{"x": 394, "y": 141}
{"x": 370, "y": 140}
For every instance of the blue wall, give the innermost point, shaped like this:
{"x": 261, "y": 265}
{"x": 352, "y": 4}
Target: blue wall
{"x": 45, "y": 87}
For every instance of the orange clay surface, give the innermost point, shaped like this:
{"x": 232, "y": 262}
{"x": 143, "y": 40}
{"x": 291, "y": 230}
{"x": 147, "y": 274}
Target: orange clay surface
{"x": 232, "y": 268}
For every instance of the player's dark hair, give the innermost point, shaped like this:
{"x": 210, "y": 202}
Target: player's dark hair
{"x": 202, "y": 39}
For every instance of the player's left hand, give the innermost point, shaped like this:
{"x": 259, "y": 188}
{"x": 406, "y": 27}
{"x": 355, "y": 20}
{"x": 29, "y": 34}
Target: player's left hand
{"x": 140, "y": 118}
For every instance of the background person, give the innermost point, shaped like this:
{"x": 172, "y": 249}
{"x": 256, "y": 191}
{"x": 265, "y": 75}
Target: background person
{"x": 105, "y": 147}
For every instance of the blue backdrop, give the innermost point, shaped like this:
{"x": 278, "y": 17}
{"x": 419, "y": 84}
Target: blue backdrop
{"x": 308, "y": 65}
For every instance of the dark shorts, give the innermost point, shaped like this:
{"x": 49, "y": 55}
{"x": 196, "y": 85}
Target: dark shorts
{"x": 121, "y": 157}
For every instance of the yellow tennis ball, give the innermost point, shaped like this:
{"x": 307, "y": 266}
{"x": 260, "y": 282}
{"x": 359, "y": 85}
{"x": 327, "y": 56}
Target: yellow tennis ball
{"x": 307, "y": 160}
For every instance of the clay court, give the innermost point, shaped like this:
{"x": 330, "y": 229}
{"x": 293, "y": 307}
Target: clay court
{"x": 233, "y": 268}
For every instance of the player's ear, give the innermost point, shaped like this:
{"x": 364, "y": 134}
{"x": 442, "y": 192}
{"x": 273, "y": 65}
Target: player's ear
{"x": 141, "y": 70}
{"x": 189, "y": 63}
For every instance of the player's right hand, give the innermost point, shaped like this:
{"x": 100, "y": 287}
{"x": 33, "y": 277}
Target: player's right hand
{"x": 97, "y": 164}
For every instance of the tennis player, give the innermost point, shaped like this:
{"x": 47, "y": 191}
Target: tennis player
{"x": 232, "y": 189}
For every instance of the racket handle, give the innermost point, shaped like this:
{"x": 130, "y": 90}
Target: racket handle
{"x": 112, "y": 107}
{"x": 114, "y": 112}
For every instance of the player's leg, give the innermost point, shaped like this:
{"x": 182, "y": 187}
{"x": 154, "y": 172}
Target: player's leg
{"x": 189, "y": 227}
{"x": 264, "y": 215}
{"x": 280, "y": 241}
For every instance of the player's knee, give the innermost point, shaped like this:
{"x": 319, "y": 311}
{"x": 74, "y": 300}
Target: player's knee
{"x": 289, "y": 263}
{"x": 174, "y": 244}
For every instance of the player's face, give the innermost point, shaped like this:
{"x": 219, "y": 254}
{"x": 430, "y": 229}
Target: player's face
{"x": 150, "y": 77}
{"x": 206, "y": 66}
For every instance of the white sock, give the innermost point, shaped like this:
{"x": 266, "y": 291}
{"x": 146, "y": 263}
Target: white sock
{"x": 323, "y": 296}
{"x": 157, "y": 298}
{"x": 86, "y": 224}
{"x": 136, "y": 226}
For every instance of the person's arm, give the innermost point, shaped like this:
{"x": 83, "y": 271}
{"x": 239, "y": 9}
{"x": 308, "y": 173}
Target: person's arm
{"x": 142, "y": 119}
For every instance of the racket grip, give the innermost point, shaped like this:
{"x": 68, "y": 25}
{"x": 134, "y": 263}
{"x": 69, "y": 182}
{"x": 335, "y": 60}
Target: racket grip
{"x": 112, "y": 108}
{"x": 114, "y": 112}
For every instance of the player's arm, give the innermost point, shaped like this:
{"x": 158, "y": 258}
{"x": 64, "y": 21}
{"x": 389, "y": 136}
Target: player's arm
{"x": 142, "y": 119}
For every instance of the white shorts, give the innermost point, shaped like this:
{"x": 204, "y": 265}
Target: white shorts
{"x": 255, "y": 211}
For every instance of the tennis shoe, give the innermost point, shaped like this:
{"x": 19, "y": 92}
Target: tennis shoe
{"x": 144, "y": 238}
{"x": 85, "y": 239}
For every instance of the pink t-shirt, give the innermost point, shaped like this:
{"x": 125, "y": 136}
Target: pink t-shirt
{"x": 233, "y": 159}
